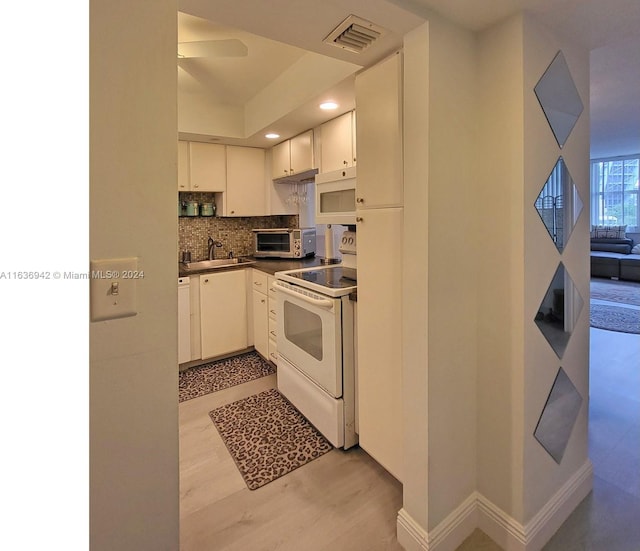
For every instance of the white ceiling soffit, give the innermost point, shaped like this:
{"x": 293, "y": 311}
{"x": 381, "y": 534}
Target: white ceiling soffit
{"x": 306, "y": 23}
{"x": 236, "y": 86}
{"x": 612, "y": 24}
{"x": 609, "y": 29}
{"x": 591, "y": 23}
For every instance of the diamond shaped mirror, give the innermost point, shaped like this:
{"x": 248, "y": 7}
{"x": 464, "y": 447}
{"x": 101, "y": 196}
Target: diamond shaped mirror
{"x": 559, "y": 204}
{"x": 559, "y": 311}
{"x": 558, "y": 416}
{"x": 559, "y": 98}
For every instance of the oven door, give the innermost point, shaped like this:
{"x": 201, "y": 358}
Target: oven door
{"x": 310, "y": 335}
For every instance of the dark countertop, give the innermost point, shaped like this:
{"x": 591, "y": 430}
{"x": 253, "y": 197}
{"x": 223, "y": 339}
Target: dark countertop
{"x": 273, "y": 265}
{"x": 269, "y": 266}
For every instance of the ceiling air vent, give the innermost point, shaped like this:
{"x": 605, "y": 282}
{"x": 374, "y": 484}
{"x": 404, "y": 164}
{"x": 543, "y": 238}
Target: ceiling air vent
{"x": 354, "y": 34}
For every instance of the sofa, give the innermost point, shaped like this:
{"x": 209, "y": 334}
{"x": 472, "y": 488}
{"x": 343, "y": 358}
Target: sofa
{"x": 615, "y": 257}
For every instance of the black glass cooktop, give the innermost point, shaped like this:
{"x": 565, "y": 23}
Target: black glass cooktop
{"x": 337, "y": 277}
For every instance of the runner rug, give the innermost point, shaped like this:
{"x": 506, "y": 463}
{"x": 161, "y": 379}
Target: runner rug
{"x": 204, "y": 379}
{"x": 267, "y": 437}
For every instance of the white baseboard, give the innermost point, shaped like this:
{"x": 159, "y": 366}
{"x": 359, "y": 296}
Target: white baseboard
{"x": 478, "y": 512}
{"x": 447, "y": 536}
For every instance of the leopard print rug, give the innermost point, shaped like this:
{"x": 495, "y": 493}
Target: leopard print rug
{"x": 204, "y": 379}
{"x": 267, "y": 437}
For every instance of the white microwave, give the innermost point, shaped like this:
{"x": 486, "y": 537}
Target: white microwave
{"x": 336, "y": 197}
{"x": 284, "y": 242}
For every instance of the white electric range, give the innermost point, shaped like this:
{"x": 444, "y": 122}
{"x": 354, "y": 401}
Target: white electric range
{"x": 316, "y": 359}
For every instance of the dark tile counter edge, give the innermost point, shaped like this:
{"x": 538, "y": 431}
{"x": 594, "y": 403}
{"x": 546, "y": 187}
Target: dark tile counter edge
{"x": 269, "y": 266}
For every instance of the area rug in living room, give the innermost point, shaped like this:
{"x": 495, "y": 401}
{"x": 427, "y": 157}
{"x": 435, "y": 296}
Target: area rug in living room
{"x": 221, "y": 374}
{"x": 615, "y": 318}
{"x": 267, "y": 437}
{"x": 612, "y": 290}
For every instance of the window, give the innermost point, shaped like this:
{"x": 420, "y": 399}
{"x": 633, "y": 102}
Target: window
{"x": 614, "y": 192}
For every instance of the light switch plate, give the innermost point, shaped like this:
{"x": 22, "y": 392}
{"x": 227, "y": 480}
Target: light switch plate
{"x": 113, "y": 288}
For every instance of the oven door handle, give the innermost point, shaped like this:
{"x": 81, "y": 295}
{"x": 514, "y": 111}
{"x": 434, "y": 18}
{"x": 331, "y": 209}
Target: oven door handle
{"x": 320, "y": 302}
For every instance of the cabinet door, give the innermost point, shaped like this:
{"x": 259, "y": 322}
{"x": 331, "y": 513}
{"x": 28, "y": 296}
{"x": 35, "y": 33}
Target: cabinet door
{"x": 184, "y": 321}
{"x": 207, "y": 166}
{"x": 183, "y": 166}
{"x": 379, "y": 135}
{"x": 223, "y": 313}
{"x": 246, "y": 189}
{"x": 261, "y": 323}
{"x": 353, "y": 136}
{"x": 379, "y": 332}
{"x": 281, "y": 160}
{"x": 301, "y": 148}
{"x": 337, "y": 142}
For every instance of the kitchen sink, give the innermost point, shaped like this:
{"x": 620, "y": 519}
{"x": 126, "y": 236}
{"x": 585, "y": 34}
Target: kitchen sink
{"x": 219, "y": 263}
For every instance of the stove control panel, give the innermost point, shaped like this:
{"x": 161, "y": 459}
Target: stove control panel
{"x": 348, "y": 243}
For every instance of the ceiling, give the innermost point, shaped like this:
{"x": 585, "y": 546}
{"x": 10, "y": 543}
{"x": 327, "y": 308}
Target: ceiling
{"x": 279, "y": 34}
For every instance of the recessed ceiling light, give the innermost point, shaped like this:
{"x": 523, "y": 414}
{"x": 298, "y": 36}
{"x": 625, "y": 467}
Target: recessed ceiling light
{"x": 272, "y": 135}
{"x": 327, "y": 105}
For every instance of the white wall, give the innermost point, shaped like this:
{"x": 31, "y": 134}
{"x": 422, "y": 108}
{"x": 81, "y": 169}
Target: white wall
{"x": 415, "y": 271}
{"x": 478, "y": 262}
{"x": 133, "y": 361}
{"x": 500, "y": 271}
{"x": 454, "y": 255}
{"x": 517, "y": 366}
{"x": 439, "y": 329}
{"x": 542, "y": 475}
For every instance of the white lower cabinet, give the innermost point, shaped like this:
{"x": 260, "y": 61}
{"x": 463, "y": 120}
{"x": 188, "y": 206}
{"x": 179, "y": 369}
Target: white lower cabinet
{"x": 260, "y": 323}
{"x": 264, "y": 315}
{"x": 223, "y": 313}
{"x": 273, "y": 335}
{"x": 184, "y": 320}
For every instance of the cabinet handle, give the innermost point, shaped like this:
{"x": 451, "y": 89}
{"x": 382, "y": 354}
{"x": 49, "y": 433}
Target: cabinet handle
{"x": 359, "y": 200}
{"x": 345, "y": 162}
{"x": 206, "y": 281}
{"x": 359, "y": 219}
{"x": 257, "y": 283}
{"x": 262, "y": 300}
{"x": 273, "y": 312}
{"x": 273, "y": 356}
{"x": 273, "y": 333}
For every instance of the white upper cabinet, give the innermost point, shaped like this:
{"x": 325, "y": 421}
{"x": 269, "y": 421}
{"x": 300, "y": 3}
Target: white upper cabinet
{"x": 337, "y": 145}
{"x": 293, "y": 156}
{"x": 302, "y": 152}
{"x": 379, "y": 134}
{"x": 280, "y": 160}
{"x": 207, "y": 167}
{"x": 245, "y": 194}
{"x": 183, "y": 166}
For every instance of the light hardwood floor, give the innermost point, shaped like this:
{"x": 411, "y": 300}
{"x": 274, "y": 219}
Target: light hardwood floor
{"x": 342, "y": 500}
{"x": 346, "y": 501}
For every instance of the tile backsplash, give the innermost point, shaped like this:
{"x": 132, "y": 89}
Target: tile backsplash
{"x": 234, "y": 233}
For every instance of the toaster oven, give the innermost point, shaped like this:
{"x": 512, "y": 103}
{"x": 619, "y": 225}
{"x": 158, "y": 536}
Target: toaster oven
{"x": 284, "y": 242}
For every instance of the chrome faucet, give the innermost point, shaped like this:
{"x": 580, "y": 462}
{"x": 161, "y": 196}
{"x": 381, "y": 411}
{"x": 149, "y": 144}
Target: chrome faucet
{"x": 211, "y": 244}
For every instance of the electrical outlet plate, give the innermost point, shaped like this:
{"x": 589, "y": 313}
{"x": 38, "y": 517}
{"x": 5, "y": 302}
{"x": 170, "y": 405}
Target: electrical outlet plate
{"x": 113, "y": 288}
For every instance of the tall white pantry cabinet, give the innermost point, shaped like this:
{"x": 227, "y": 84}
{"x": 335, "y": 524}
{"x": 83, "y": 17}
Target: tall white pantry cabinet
{"x": 379, "y": 219}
